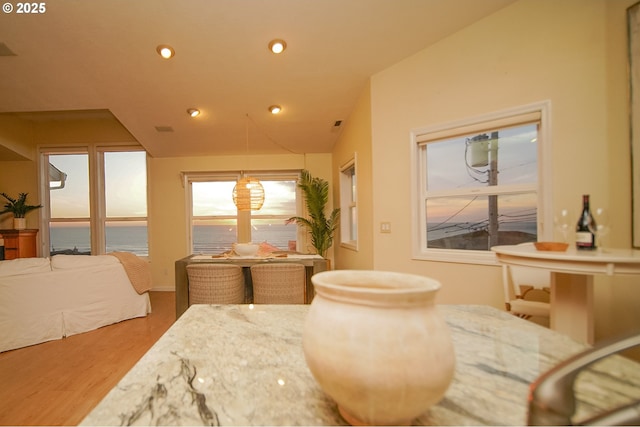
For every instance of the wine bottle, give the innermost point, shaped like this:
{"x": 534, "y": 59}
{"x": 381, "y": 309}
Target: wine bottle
{"x": 585, "y": 238}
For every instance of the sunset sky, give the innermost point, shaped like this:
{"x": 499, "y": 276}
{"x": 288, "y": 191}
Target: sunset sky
{"x": 447, "y": 169}
{"x": 125, "y": 190}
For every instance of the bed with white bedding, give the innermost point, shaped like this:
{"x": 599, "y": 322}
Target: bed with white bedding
{"x": 44, "y": 299}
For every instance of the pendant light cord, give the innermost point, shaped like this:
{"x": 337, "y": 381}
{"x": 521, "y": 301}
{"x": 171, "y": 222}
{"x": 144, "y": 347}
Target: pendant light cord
{"x": 247, "y": 132}
{"x": 273, "y": 141}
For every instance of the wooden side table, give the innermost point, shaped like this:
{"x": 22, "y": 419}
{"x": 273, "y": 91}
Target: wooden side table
{"x": 19, "y": 243}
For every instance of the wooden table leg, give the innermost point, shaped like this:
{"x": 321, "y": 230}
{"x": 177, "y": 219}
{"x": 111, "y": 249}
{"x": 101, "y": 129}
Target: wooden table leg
{"x": 182, "y": 287}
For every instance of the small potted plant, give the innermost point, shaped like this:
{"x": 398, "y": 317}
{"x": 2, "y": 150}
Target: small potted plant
{"x": 321, "y": 227}
{"x": 19, "y": 208}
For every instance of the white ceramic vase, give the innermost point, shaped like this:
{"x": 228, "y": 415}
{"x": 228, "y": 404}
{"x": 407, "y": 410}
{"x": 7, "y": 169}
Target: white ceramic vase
{"x": 19, "y": 223}
{"x": 377, "y": 345}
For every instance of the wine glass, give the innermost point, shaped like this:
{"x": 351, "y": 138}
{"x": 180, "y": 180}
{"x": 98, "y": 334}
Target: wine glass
{"x": 601, "y": 229}
{"x": 564, "y": 223}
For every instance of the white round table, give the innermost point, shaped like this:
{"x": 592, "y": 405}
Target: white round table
{"x": 572, "y": 280}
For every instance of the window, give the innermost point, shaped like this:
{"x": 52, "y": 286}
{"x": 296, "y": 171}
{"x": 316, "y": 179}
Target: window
{"x": 125, "y": 201}
{"x": 216, "y": 223}
{"x": 478, "y": 186}
{"x": 69, "y": 217}
{"x": 81, "y": 220}
{"x": 348, "y": 205}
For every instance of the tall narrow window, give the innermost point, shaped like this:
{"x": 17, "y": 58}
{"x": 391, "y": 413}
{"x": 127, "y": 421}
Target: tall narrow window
{"x": 216, "y": 223}
{"x": 125, "y": 192}
{"x": 348, "y": 205}
{"x": 69, "y": 218}
{"x": 269, "y": 223}
{"x": 479, "y": 184}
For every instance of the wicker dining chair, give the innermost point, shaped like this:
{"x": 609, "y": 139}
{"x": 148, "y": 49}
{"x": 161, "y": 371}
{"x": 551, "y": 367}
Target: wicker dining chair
{"x": 215, "y": 284}
{"x": 282, "y": 283}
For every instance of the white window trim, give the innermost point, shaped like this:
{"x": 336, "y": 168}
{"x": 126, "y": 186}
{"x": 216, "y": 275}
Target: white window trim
{"x": 97, "y": 216}
{"x": 202, "y": 176}
{"x": 187, "y": 179}
{"x": 544, "y": 185}
{"x": 346, "y": 203}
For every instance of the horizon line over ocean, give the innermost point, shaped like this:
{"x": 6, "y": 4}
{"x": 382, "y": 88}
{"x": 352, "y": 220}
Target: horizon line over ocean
{"x": 133, "y": 238}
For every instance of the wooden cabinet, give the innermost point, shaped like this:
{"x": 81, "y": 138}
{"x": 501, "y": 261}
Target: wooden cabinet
{"x": 19, "y": 243}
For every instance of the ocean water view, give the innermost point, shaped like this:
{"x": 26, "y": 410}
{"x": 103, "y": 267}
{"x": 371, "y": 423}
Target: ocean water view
{"x": 476, "y": 236}
{"x": 77, "y": 239}
{"x": 214, "y": 239}
{"x": 458, "y": 228}
{"x": 211, "y": 239}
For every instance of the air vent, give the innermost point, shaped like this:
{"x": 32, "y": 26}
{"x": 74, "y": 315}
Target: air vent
{"x": 5, "y": 51}
{"x": 164, "y": 128}
{"x": 336, "y": 126}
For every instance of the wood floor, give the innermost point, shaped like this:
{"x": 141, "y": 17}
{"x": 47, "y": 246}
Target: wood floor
{"x": 60, "y": 382}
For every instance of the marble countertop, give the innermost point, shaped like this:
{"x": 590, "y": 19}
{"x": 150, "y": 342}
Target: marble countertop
{"x": 244, "y": 365}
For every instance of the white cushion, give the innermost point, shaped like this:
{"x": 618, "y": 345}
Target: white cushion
{"x": 81, "y": 261}
{"x": 18, "y": 266}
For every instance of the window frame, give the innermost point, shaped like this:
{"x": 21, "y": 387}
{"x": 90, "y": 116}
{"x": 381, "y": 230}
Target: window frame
{"x": 348, "y": 202}
{"x": 480, "y": 124}
{"x": 97, "y": 199}
{"x": 102, "y": 199}
{"x": 243, "y": 218}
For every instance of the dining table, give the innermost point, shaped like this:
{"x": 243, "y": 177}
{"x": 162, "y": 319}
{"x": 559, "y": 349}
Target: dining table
{"x": 572, "y": 272}
{"x": 313, "y": 264}
{"x": 244, "y": 365}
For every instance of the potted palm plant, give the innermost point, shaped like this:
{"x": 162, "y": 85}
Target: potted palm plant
{"x": 321, "y": 227}
{"x": 19, "y": 208}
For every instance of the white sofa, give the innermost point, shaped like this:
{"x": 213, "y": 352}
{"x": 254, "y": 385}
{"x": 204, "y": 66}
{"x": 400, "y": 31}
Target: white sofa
{"x": 43, "y": 299}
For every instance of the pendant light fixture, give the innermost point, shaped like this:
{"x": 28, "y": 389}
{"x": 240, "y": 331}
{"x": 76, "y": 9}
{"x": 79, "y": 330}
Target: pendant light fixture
{"x": 248, "y": 193}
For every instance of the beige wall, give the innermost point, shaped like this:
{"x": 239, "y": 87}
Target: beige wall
{"x": 19, "y": 177}
{"x": 617, "y": 300}
{"x": 166, "y": 211}
{"x": 16, "y": 139}
{"x": 570, "y": 52}
{"x": 20, "y": 138}
{"x": 355, "y": 141}
{"x": 167, "y": 200}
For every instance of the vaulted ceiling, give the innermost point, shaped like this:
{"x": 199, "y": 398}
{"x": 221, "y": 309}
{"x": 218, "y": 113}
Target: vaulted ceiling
{"x": 79, "y": 57}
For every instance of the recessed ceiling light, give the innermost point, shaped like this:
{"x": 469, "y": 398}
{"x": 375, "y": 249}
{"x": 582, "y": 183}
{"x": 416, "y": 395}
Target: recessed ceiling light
{"x": 193, "y": 112}
{"x": 275, "y": 109}
{"x": 277, "y": 46}
{"x": 165, "y": 51}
